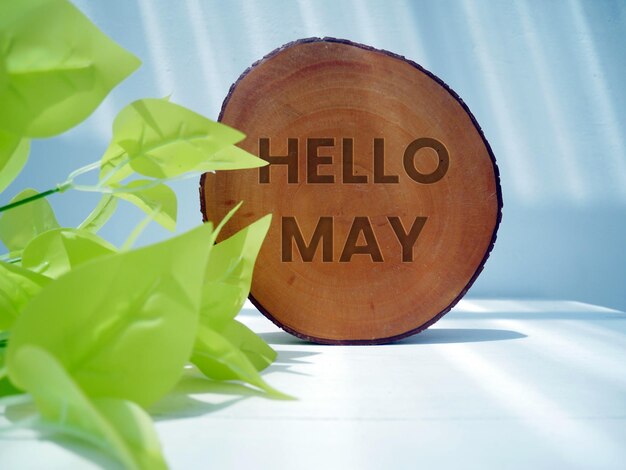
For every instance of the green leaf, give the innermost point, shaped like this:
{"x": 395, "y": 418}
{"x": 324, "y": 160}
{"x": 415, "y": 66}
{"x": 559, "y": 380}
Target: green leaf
{"x": 13, "y": 156}
{"x": 225, "y": 349}
{"x": 159, "y": 200}
{"x": 164, "y": 140}
{"x": 227, "y": 217}
{"x": 233, "y": 158}
{"x": 20, "y": 225}
{"x": 100, "y": 215}
{"x": 55, "y": 252}
{"x": 6, "y": 387}
{"x": 4, "y": 381}
{"x": 135, "y": 427}
{"x": 114, "y": 165}
{"x": 258, "y": 352}
{"x": 218, "y": 358}
{"x": 122, "y": 325}
{"x": 57, "y": 66}
{"x": 228, "y": 274}
{"x": 17, "y": 287}
{"x": 118, "y": 427}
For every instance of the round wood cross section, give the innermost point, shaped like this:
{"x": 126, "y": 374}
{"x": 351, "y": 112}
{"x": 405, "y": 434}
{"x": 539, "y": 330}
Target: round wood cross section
{"x": 384, "y": 192}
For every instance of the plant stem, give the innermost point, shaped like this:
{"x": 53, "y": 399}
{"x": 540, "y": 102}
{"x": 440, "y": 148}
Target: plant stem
{"x": 82, "y": 170}
{"x": 100, "y": 187}
{"x": 34, "y": 197}
{"x": 67, "y": 184}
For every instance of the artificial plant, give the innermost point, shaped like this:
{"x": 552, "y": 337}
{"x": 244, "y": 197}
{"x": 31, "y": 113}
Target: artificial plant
{"x": 90, "y": 332}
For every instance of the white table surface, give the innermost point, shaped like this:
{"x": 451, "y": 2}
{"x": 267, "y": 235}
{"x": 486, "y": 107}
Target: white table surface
{"x": 494, "y": 384}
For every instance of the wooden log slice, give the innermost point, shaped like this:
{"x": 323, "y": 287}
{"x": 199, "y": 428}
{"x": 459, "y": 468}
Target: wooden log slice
{"x": 386, "y": 200}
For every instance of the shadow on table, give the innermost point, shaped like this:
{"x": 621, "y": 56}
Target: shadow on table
{"x": 460, "y": 335}
{"x": 180, "y": 403}
{"x": 217, "y": 395}
{"x": 430, "y": 336}
{"x": 282, "y": 338}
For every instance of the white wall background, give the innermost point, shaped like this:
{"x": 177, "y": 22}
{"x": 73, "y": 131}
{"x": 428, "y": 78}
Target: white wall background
{"x": 545, "y": 79}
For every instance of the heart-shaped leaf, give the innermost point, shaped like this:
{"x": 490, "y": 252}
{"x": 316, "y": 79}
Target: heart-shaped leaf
{"x": 226, "y": 349}
{"x": 57, "y": 66}
{"x": 122, "y": 325}
{"x": 218, "y": 358}
{"x": 118, "y": 427}
{"x": 229, "y": 274}
{"x": 164, "y": 140}
{"x": 57, "y": 251}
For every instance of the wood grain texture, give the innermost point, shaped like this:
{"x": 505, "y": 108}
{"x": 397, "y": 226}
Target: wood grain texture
{"x": 342, "y": 92}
